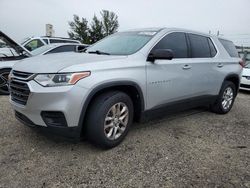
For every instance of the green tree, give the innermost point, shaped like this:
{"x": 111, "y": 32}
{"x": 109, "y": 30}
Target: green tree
{"x": 79, "y": 29}
{"x": 96, "y": 30}
{"x": 110, "y": 22}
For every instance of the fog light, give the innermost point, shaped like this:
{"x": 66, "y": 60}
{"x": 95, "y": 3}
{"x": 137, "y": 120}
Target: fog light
{"x": 54, "y": 119}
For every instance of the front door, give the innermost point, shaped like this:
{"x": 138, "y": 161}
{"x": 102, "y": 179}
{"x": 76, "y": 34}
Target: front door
{"x": 170, "y": 80}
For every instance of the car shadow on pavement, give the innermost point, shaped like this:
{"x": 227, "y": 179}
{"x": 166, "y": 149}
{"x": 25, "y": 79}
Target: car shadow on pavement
{"x": 164, "y": 117}
{"x": 245, "y": 92}
{"x": 154, "y": 122}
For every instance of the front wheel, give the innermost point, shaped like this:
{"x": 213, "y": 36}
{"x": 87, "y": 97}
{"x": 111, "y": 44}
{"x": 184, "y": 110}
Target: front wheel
{"x": 4, "y": 73}
{"x": 109, "y": 119}
{"x": 225, "y": 99}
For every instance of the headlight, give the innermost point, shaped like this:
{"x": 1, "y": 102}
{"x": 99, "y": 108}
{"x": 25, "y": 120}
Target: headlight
{"x": 61, "y": 79}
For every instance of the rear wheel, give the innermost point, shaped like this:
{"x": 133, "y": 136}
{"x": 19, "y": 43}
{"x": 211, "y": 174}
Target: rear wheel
{"x": 109, "y": 119}
{"x": 4, "y": 73}
{"x": 226, "y": 98}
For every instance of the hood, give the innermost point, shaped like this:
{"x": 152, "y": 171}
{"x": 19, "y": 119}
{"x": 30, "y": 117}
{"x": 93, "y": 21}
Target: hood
{"x": 246, "y": 72}
{"x": 53, "y": 63}
{"x": 7, "y": 64}
{"x": 10, "y": 42}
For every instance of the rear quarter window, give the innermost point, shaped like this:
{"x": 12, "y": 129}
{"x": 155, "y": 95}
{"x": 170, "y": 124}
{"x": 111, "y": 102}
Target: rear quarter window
{"x": 230, "y": 47}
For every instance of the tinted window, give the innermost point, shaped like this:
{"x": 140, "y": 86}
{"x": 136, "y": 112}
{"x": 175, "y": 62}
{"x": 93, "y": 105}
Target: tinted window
{"x": 42, "y": 50}
{"x": 230, "y": 47}
{"x": 62, "y": 41}
{"x": 70, "y": 41}
{"x": 46, "y": 41}
{"x": 80, "y": 48}
{"x": 199, "y": 46}
{"x": 175, "y": 42}
{"x": 33, "y": 44}
{"x": 68, "y": 48}
{"x": 56, "y": 41}
{"x": 212, "y": 48}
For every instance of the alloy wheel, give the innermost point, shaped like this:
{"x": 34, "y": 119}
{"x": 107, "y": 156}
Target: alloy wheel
{"x": 227, "y": 98}
{"x": 116, "y": 121}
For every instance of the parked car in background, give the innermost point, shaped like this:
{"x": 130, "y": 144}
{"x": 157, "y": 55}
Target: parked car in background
{"x": 33, "y": 43}
{"x": 59, "y": 48}
{"x": 12, "y": 52}
{"x": 245, "y": 80}
{"x": 125, "y": 77}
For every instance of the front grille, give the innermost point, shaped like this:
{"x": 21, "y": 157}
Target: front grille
{"x": 22, "y": 75}
{"x": 245, "y": 86}
{"x": 19, "y": 91}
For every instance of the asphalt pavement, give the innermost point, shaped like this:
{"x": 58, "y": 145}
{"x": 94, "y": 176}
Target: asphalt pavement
{"x": 195, "y": 148}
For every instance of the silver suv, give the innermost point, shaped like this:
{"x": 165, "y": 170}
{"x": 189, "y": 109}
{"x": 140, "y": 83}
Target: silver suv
{"x": 127, "y": 76}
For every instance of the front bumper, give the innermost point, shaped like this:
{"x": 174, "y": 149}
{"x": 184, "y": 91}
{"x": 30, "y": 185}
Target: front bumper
{"x": 68, "y": 100}
{"x": 68, "y": 132}
{"x": 245, "y": 84}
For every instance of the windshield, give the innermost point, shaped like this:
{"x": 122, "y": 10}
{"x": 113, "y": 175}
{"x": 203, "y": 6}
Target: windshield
{"x": 125, "y": 43}
{"x": 41, "y": 50}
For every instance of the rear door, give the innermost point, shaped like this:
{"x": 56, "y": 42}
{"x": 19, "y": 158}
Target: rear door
{"x": 204, "y": 64}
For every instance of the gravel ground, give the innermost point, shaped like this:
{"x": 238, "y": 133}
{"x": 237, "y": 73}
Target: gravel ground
{"x": 195, "y": 148}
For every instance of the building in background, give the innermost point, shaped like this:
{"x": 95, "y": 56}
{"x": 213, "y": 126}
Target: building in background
{"x": 49, "y": 30}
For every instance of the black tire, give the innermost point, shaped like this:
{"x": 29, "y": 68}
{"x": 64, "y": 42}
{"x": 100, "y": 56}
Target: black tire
{"x": 97, "y": 114}
{"x": 217, "y": 107}
{"x": 4, "y": 90}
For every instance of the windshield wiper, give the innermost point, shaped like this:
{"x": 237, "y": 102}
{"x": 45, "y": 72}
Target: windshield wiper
{"x": 98, "y": 52}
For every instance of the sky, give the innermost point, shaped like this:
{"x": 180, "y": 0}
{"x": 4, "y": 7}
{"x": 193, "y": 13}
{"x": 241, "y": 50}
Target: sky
{"x": 23, "y": 18}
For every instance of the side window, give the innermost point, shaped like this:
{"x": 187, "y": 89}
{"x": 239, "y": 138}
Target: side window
{"x": 46, "y": 41}
{"x": 33, "y": 44}
{"x": 62, "y": 41}
{"x": 230, "y": 47}
{"x": 68, "y": 48}
{"x": 56, "y": 41}
{"x": 71, "y": 41}
{"x": 175, "y": 42}
{"x": 199, "y": 46}
{"x": 213, "y": 50}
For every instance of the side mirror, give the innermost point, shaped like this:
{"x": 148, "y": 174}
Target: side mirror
{"x": 160, "y": 54}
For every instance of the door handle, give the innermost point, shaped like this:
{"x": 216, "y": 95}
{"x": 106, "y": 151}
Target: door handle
{"x": 186, "y": 67}
{"x": 220, "y": 65}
